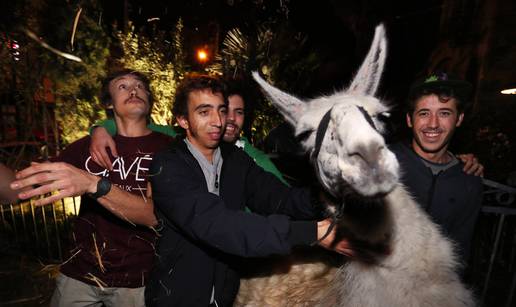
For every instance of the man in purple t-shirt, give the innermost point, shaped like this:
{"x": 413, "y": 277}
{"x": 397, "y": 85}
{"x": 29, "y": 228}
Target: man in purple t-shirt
{"x": 113, "y": 240}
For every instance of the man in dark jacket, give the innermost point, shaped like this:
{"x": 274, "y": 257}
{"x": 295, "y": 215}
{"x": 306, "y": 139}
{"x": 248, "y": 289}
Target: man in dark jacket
{"x": 433, "y": 175}
{"x": 200, "y": 188}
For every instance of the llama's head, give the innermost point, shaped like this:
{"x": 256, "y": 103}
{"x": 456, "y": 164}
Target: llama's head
{"x": 343, "y": 132}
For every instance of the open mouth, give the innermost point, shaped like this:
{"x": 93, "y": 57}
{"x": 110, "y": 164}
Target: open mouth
{"x": 230, "y": 127}
{"x": 432, "y": 134}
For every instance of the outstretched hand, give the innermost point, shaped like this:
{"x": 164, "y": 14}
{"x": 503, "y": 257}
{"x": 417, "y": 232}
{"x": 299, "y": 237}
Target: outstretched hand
{"x": 471, "y": 165}
{"x": 7, "y": 195}
{"x": 100, "y": 141}
{"x": 327, "y": 241}
{"x": 59, "y": 177}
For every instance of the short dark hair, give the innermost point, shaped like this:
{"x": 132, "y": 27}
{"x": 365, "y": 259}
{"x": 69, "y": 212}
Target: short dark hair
{"x": 105, "y": 94}
{"x": 235, "y": 88}
{"x": 444, "y": 85}
{"x": 442, "y": 94}
{"x": 240, "y": 88}
{"x": 193, "y": 83}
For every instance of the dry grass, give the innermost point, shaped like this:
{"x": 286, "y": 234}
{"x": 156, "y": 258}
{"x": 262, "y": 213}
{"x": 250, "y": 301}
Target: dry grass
{"x": 25, "y": 281}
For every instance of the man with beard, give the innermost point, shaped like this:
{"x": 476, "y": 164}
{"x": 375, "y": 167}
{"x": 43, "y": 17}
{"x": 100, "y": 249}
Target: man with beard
{"x": 234, "y": 124}
{"x": 434, "y": 176}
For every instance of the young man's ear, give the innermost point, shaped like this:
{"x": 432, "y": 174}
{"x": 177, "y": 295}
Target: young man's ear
{"x": 459, "y": 120}
{"x": 183, "y": 122}
{"x": 408, "y": 118}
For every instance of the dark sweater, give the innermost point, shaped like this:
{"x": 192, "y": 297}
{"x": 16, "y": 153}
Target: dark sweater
{"x": 452, "y": 198}
{"x": 203, "y": 234}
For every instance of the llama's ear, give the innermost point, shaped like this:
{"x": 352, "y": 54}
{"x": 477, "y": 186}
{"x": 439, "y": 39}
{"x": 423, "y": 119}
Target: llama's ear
{"x": 368, "y": 76}
{"x": 289, "y": 106}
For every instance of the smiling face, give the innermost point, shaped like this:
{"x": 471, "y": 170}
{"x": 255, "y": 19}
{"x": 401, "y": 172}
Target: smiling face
{"x": 129, "y": 97}
{"x": 205, "y": 120}
{"x": 433, "y": 123}
{"x": 234, "y": 119}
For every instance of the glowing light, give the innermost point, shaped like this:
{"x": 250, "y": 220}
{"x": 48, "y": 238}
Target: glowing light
{"x": 202, "y": 55}
{"x": 509, "y": 91}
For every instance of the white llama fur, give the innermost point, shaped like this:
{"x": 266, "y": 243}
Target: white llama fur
{"x": 353, "y": 159}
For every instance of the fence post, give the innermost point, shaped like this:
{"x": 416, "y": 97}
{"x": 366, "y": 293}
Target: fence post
{"x": 46, "y": 232}
{"x": 25, "y": 234}
{"x": 34, "y": 224}
{"x": 58, "y": 239}
{"x": 3, "y": 216}
{"x": 74, "y": 206}
{"x": 492, "y": 258}
{"x": 65, "y": 217}
{"x": 14, "y": 223}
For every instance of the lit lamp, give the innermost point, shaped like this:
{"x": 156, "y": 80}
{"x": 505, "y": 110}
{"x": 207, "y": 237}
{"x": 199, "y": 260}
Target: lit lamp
{"x": 509, "y": 90}
{"x": 202, "y": 55}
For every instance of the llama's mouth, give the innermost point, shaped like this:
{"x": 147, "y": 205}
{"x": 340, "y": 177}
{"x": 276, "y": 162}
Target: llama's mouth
{"x": 375, "y": 194}
{"x": 372, "y": 188}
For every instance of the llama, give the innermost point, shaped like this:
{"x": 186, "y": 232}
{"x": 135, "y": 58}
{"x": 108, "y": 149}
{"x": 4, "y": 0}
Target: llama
{"x": 403, "y": 259}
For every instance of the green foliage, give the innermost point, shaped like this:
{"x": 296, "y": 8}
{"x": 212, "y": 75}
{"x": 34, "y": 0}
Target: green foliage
{"x": 74, "y": 86}
{"x": 78, "y": 84}
{"x": 163, "y": 63}
{"x": 280, "y": 57}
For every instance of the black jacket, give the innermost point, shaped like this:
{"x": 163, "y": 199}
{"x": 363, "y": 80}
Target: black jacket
{"x": 452, "y": 198}
{"x": 203, "y": 235}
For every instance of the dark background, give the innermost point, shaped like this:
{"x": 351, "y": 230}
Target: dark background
{"x": 473, "y": 39}
{"x": 340, "y": 31}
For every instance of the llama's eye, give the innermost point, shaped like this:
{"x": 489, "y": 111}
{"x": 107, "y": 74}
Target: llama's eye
{"x": 385, "y": 114}
{"x": 383, "y": 117}
{"x": 383, "y": 123}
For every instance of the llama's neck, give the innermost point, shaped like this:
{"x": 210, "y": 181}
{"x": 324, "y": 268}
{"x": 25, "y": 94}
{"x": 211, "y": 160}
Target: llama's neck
{"x": 367, "y": 224}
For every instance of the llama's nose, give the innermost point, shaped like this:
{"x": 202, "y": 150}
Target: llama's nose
{"x": 370, "y": 153}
